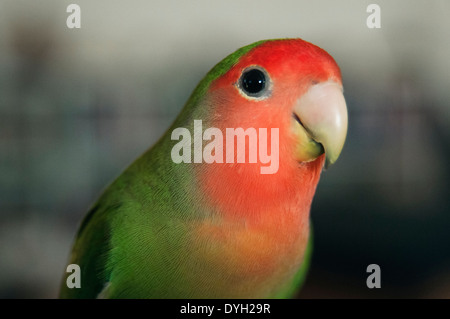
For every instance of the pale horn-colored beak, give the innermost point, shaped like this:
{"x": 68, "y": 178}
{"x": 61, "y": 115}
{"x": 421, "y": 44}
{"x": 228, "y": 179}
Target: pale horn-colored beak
{"x": 323, "y": 114}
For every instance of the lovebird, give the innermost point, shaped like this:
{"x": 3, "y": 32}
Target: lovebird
{"x": 220, "y": 206}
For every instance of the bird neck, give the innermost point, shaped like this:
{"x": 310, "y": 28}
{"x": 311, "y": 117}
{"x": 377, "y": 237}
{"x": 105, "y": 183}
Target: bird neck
{"x": 272, "y": 201}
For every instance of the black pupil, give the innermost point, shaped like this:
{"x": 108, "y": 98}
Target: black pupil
{"x": 253, "y": 81}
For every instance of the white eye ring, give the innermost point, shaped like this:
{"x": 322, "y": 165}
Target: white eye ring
{"x": 254, "y": 83}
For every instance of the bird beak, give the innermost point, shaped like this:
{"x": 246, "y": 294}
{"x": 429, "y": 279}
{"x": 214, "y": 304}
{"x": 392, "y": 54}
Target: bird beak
{"x": 320, "y": 122}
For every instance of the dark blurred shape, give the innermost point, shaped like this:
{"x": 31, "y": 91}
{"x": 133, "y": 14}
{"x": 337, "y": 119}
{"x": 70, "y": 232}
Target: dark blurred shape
{"x": 32, "y": 46}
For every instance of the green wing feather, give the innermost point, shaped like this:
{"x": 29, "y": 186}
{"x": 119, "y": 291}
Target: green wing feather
{"x": 294, "y": 286}
{"x": 90, "y": 253}
{"x": 143, "y": 214}
{"x": 128, "y": 225}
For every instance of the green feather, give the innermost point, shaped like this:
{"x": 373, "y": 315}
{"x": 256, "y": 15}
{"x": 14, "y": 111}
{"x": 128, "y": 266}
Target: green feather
{"x": 293, "y": 287}
{"x": 134, "y": 235}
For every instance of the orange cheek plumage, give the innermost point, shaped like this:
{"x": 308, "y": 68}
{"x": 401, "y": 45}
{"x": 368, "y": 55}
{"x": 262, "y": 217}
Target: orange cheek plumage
{"x": 268, "y": 214}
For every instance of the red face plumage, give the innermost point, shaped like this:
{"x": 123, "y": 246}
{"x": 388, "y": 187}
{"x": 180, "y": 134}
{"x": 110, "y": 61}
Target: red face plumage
{"x": 293, "y": 66}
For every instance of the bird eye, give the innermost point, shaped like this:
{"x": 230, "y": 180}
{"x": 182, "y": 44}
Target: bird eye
{"x": 254, "y": 82}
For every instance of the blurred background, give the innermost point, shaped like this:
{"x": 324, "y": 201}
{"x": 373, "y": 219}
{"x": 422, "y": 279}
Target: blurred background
{"x": 78, "y": 105}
